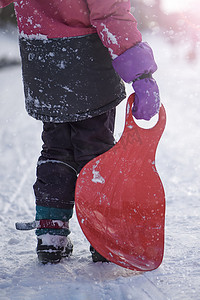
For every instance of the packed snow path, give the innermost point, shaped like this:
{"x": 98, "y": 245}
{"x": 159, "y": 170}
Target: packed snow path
{"x": 178, "y": 163}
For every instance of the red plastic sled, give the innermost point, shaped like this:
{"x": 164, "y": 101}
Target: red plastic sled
{"x": 120, "y": 200}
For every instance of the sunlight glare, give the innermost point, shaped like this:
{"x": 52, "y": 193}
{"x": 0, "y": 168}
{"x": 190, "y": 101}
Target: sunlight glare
{"x": 176, "y": 5}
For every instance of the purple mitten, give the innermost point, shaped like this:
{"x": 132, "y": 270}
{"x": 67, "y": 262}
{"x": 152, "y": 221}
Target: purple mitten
{"x": 147, "y": 99}
{"x": 137, "y": 64}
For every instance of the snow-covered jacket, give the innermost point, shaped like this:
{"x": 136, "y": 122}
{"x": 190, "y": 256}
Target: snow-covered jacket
{"x": 67, "y": 47}
{"x": 112, "y": 20}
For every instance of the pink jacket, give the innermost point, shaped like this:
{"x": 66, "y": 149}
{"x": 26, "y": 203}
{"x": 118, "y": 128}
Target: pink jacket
{"x": 111, "y": 19}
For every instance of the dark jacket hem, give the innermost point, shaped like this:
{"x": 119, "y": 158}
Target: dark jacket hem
{"x": 76, "y": 117}
{"x": 69, "y": 79}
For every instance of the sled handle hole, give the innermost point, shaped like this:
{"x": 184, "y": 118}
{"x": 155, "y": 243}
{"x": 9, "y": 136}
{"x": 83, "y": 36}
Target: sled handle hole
{"x": 158, "y": 121}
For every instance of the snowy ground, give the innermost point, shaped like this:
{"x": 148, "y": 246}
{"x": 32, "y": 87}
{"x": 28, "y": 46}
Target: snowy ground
{"x": 178, "y": 163}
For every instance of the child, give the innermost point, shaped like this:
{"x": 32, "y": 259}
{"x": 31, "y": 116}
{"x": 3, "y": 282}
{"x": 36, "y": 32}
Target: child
{"x": 75, "y": 55}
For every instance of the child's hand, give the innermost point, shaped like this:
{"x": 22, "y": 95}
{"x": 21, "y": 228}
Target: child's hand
{"x": 137, "y": 64}
{"x": 147, "y": 99}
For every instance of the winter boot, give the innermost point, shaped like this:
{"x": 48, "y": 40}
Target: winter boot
{"x": 52, "y": 248}
{"x": 52, "y": 232}
{"x": 96, "y": 256}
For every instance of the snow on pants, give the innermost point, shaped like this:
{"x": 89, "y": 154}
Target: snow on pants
{"x": 67, "y": 148}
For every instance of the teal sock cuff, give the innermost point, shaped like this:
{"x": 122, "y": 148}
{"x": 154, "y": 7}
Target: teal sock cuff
{"x": 63, "y": 232}
{"x": 51, "y": 213}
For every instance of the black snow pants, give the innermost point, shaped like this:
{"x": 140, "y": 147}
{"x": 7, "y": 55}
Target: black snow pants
{"x": 67, "y": 148}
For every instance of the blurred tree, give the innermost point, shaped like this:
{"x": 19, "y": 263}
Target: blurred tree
{"x": 7, "y": 15}
{"x": 147, "y": 13}
{"x": 176, "y": 26}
